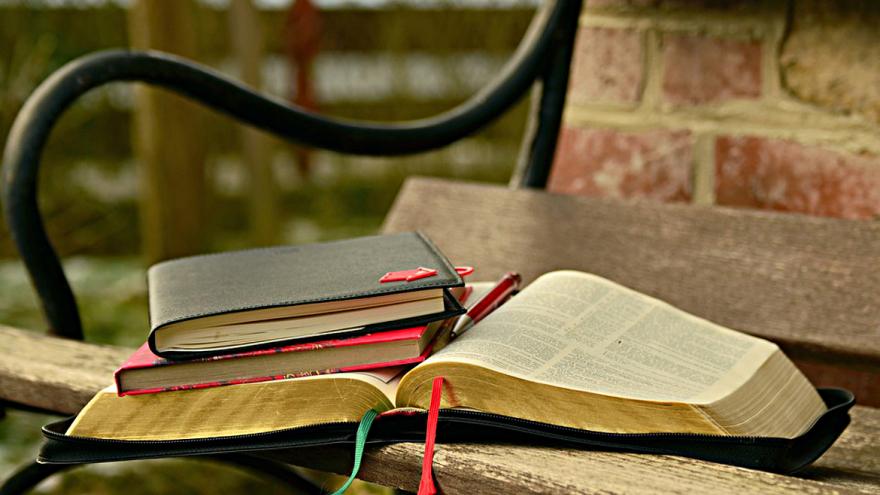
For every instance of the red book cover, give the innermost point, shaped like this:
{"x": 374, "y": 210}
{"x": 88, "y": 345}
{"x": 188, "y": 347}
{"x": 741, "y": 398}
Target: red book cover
{"x": 144, "y": 358}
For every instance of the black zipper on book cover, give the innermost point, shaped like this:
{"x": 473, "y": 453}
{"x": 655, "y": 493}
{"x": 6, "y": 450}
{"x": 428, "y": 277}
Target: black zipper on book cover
{"x": 457, "y": 425}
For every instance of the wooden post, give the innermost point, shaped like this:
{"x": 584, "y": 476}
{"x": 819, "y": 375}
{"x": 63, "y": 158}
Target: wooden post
{"x": 302, "y": 40}
{"x": 247, "y": 45}
{"x": 167, "y": 139}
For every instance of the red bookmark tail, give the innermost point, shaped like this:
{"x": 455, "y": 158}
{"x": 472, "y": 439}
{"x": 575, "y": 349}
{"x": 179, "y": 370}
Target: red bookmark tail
{"x": 426, "y": 486}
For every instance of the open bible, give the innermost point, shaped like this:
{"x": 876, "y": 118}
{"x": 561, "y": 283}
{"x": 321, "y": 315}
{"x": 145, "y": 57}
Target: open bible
{"x": 571, "y": 349}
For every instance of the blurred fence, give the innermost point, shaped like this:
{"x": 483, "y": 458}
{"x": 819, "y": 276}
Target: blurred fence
{"x": 388, "y": 63}
{"x": 381, "y": 64}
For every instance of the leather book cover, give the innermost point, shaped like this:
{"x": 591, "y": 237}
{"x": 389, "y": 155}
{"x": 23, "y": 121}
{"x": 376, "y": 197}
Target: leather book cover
{"x": 214, "y": 284}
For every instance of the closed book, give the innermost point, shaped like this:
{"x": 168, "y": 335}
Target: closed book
{"x": 147, "y": 373}
{"x": 245, "y": 300}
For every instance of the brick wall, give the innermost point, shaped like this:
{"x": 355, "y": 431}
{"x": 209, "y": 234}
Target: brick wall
{"x": 772, "y": 104}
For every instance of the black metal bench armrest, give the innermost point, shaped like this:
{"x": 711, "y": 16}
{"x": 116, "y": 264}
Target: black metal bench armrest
{"x": 547, "y": 35}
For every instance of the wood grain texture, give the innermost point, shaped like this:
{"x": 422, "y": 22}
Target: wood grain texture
{"x": 811, "y": 284}
{"x": 62, "y": 375}
{"x": 51, "y": 373}
{"x": 852, "y": 465}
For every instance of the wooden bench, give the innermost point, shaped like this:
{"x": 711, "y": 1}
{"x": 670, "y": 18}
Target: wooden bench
{"x": 809, "y": 285}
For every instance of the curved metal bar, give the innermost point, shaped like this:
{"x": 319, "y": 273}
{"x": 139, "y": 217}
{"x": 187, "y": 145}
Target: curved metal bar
{"x": 535, "y": 165}
{"x": 35, "y": 121}
{"x": 28, "y": 477}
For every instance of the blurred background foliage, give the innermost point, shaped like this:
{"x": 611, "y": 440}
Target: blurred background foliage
{"x": 376, "y": 60}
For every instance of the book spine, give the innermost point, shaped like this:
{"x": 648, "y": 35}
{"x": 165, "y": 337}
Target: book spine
{"x": 117, "y": 379}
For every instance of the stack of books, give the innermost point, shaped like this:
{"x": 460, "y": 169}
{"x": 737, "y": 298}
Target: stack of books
{"x": 572, "y": 357}
{"x": 284, "y": 312}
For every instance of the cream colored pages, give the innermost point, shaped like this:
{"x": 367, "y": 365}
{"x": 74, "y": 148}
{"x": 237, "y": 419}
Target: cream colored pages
{"x": 579, "y": 331}
{"x": 231, "y": 336}
{"x": 385, "y": 379}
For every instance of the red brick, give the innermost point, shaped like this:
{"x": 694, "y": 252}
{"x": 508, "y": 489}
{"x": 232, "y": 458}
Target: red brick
{"x": 601, "y": 162}
{"x": 607, "y": 66}
{"x": 701, "y": 69}
{"x": 788, "y": 176}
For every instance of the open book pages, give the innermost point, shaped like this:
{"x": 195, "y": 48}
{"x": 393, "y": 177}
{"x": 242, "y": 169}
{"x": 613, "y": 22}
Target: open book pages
{"x": 578, "y": 350}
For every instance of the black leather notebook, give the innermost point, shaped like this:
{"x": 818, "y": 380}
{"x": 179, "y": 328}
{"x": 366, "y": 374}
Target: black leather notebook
{"x": 237, "y": 301}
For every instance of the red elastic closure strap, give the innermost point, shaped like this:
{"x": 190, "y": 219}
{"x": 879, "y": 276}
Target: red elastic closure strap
{"x": 464, "y": 271}
{"x": 421, "y": 272}
{"x": 408, "y": 275}
{"x": 426, "y": 485}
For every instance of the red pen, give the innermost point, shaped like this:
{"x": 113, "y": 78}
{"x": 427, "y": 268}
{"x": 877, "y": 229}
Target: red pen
{"x": 494, "y": 298}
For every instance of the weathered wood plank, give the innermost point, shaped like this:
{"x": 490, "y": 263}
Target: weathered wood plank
{"x": 61, "y": 375}
{"x": 852, "y": 465}
{"x": 849, "y": 467}
{"x": 810, "y": 284}
{"x": 54, "y": 374}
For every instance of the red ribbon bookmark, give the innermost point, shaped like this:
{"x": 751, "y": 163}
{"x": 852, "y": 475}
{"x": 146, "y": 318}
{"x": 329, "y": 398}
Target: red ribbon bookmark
{"x": 408, "y": 275}
{"x": 426, "y": 485}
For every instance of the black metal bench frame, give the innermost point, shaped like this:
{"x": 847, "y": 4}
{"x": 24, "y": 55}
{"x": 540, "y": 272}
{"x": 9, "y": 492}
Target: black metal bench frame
{"x": 542, "y": 61}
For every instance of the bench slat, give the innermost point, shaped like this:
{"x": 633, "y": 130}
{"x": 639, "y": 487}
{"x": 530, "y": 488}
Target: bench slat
{"x": 54, "y": 374}
{"x": 810, "y": 284}
{"x": 505, "y": 469}
{"x": 61, "y": 375}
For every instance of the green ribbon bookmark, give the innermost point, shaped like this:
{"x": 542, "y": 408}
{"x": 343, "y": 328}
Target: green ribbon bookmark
{"x": 359, "y": 443}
